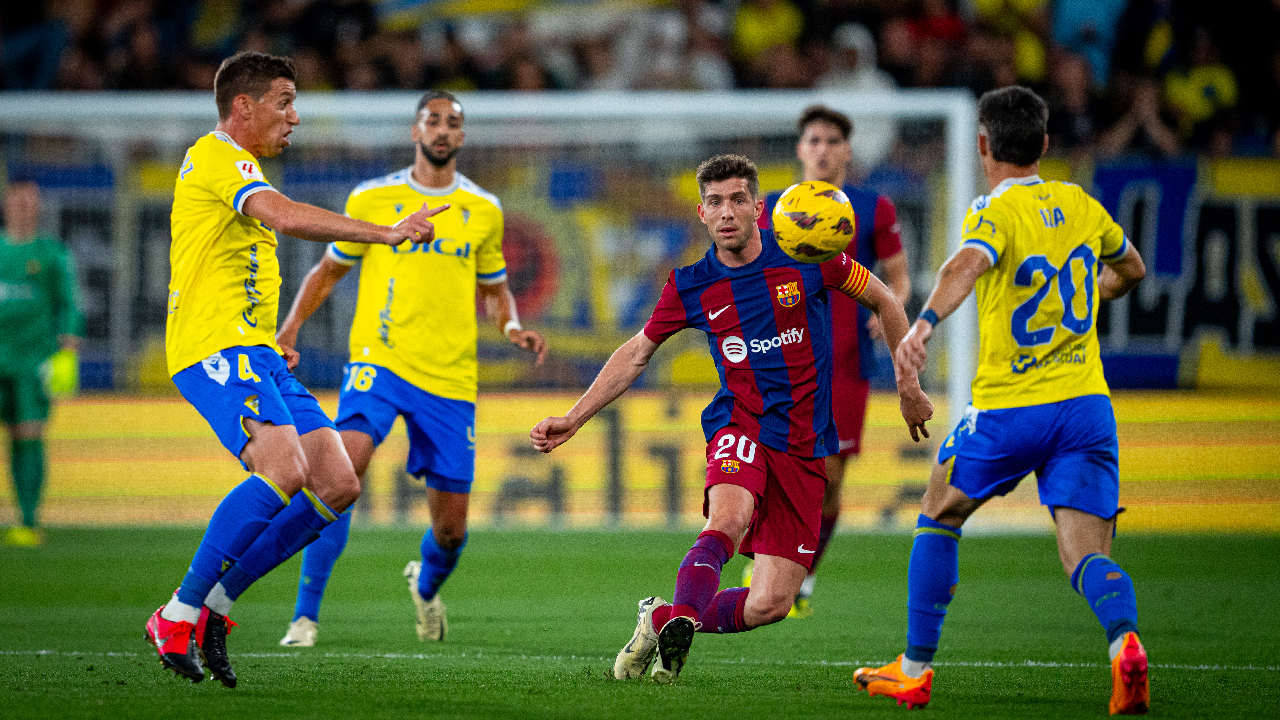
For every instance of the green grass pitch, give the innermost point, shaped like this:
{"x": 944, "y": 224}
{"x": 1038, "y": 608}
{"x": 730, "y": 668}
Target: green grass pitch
{"x": 536, "y": 618}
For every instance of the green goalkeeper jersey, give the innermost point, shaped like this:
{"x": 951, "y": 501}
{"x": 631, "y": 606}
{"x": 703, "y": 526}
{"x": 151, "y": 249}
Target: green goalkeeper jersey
{"x": 38, "y": 301}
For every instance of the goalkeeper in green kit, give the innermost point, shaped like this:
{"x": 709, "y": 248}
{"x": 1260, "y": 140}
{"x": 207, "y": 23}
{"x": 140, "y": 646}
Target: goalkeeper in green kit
{"x": 40, "y": 328}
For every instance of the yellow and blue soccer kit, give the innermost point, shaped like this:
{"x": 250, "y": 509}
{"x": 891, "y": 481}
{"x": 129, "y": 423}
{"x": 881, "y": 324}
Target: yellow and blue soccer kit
{"x": 413, "y": 338}
{"x": 224, "y": 296}
{"x": 1040, "y": 401}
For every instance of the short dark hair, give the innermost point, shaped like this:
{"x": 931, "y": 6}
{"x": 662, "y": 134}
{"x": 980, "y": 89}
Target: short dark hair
{"x": 1015, "y": 121}
{"x": 725, "y": 167}
{"x": 248, "y": 73}
{"x": 822, "y": 113}
{"x": 430, "y": 95}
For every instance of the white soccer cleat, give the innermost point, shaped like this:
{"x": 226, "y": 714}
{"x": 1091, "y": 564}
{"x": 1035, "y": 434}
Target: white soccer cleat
{"x": 634, "y": 658}
{"x": 431, "y": 623}
{"x": 302, "y": 633}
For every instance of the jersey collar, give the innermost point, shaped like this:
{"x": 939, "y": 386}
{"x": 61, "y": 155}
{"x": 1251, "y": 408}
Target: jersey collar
{"x": 226, "y": 139}
{"x": 1010, "y": 182}
{"x": 435, "y": 192}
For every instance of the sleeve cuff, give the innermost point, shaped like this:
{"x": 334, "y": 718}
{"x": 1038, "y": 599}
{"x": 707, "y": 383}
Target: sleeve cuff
{"x": 984, "y": 247}
{"x": 243, "y": 193}
{"x": 1124, "y": 248}
{"x": 492, "y": 278}
{"x": 340, "y": 257}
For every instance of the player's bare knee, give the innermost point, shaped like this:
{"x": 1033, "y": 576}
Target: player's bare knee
{"x": 766, "y": 609}
{"x": 449, "y": 535}
{"x": 339, "y": 489}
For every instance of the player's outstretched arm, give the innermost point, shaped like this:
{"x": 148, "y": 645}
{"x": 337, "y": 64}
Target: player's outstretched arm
{"x": 316, "y": 287}
{"x": 955, "y": 281}
{"x": 1120, "y": 276}
{"x": 915, "y": 405}
{"x": 309, "y": 222}
{"x": 500, "y": 305}
{"x": 624, "y": 366}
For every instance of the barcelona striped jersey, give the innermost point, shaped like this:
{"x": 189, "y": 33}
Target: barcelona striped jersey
{"x": 877, "y": 236}
{"x": 416, "y": 310}
{"x": 1038, "y": 302}
{"x": 224, "y": 284}
{"x": 768, "y": 325}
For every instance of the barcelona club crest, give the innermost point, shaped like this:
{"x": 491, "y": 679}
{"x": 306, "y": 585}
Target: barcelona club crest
{"x": 789, "y": 293}
{"x": 729, "y": 466}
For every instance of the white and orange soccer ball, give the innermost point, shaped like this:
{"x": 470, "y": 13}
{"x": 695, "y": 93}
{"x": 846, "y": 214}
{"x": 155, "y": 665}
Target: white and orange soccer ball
{"x": 813, "y": 221}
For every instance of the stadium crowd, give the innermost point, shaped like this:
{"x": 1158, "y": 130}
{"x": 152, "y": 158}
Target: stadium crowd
{"x": 1153, "y": 77}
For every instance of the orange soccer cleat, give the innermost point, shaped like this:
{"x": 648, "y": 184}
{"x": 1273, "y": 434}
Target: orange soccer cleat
{"x": 1129, "y": 692}
{"x": 891, "y": 682}
{"x": 175, "y": 645}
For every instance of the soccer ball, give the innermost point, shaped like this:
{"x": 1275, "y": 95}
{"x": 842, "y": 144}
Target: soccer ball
{"x": 813, "y": 221}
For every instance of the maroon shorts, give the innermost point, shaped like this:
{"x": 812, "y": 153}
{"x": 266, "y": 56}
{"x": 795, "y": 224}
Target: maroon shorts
{"x": 787, "y": 489}
{"x": 849, "y": 408}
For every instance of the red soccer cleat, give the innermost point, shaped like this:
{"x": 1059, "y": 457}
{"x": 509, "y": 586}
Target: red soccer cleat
{"x": 891, "y": 682}
{"x": 1130, "y": 694}
{"x": 174, "y": 643}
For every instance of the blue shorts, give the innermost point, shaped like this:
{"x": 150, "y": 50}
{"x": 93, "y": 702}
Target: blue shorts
{"x": 248, "y": 382}
{"x": 1070, "y": 445}
{"x": 442, "y": 432}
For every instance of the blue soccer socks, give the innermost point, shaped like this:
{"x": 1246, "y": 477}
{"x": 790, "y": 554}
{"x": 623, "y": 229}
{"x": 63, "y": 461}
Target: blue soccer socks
{"x": 437, "y": 564}
{"x": 288, "y": 532}
{"x": 240, "y": 518}
{"x": 1109, "y": 590}
{"x": 932, "y": 577}
{"x": 318, "y": 560}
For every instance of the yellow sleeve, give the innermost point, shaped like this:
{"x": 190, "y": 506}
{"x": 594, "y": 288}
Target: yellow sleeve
{"x": 491, "y": 268}
{"x": 985, "y": 229}
{"x": 230, "y": 174}
{"x": 349, "y": 253}
{"x": 1114, "y": 243}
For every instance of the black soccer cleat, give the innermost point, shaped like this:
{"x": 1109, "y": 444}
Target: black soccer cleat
{"x": 673, "y": 648}
{"x": 211, "y": 637}
{"x": 175, "y": 646}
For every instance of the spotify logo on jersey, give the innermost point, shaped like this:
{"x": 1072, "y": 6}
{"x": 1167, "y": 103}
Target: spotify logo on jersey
{"x": 733, "y": 348}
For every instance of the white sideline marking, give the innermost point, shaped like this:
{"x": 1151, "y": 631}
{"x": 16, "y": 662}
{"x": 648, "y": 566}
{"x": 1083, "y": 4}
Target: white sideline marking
{"x": 739, "y": 661}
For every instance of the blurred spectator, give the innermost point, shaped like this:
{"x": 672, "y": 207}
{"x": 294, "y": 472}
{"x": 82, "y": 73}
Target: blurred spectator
{"x": 1072, "y": 106}
{"x": 780, "y": 67}
{"x": 1203, "y": 94}
{"x": 938, "y": 20}
{"x": 215, "y": 28}
{"x": 1089, "y": 27}
{"x": 139, "y": 65}
{"x": 1142, "y": 128}
{"x": 761, "y": 24}
{"x": 31, "y": 45}
{"x": 526, "y": 73}
{"x": 853, "y": 67}
{"x": 898, "y": 50}
{"x": 1026, "y": 23}
{"x": 1145, "y": 38}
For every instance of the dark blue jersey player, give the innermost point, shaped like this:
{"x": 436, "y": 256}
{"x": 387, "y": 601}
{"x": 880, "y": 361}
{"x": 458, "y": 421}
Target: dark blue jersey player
{"x": 767, "y": 321}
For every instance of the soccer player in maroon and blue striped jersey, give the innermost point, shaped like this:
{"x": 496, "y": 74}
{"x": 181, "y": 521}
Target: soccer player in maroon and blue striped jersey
{"x": 769, "y": 427}
{"x": 825, "y": 153}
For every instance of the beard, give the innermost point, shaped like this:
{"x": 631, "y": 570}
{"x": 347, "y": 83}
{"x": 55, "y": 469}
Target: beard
{"x": 437, "y": 160}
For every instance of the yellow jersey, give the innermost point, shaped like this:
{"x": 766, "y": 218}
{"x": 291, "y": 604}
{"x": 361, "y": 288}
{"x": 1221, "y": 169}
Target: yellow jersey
{"x": 1038, "y": 302}
{"x": 416, "y": 308}
{"x": 224, "y": 284}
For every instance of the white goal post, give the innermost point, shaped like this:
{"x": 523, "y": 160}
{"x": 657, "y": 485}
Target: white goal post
{"x": 504, "y": 119}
